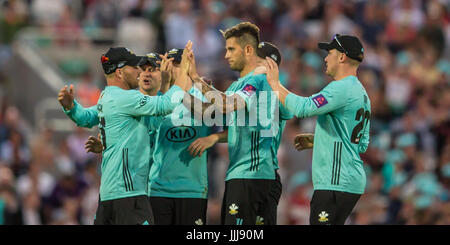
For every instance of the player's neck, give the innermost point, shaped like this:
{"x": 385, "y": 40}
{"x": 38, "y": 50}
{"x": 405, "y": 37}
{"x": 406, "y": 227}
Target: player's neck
{"x": 150, "y": 92}
{"x": 248, "y": 68}
{"x": 345, "y": 72}
{"x": 115, "y": 82}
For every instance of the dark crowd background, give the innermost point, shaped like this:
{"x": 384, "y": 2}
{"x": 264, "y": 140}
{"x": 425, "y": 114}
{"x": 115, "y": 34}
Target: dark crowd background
{"x": 46, "y": 179}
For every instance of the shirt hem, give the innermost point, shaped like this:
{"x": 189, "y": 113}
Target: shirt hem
{"x": 113, "y": 197}
{"x": 177, "y": 195}
{"x": 320, "y": 187}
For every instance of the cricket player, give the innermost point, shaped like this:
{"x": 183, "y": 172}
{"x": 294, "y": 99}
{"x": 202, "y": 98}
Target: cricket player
{"x": 253, "y": 186}
{"x": 341, "y": 134}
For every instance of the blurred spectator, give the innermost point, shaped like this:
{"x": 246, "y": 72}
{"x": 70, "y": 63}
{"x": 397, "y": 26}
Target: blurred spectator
{"x": 35, "y": 180}
{"x": 64, "y": 202}
{"x": 300, "y": 194}
{"x": 136, "y": 32}
{"x": 75, "y": 143}
{"x": 106, "y": 13}
{"x": 89, "y": 201}
{"x": 13, "y": 18}
{"x": 86, "y": 91}
{"x": 180, "y": 24}
{"x": 43, "y": 150}
{"x": 14, "y": 152}
{"x": 32, "y": 209}
{"x": 45, "y": 13}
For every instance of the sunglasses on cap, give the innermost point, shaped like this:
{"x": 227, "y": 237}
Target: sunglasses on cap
{"x": 336, "y": 37}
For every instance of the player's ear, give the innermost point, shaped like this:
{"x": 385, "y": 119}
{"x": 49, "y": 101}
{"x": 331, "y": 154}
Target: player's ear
{"x": 248, "y": 49}
{"x": 119, "y": 73}
{"x": 342, "y": 57}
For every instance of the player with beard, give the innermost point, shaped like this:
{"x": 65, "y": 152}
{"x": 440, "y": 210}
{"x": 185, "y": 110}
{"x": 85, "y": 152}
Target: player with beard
{"x": 122, "y": 117}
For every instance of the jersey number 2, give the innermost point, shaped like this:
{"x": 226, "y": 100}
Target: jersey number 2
{"x": 357, "y": 129}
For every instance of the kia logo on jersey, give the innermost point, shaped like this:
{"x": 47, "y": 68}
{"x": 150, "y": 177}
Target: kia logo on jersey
{"x": 320, "y": 100}
{"x": 180, "y": 134}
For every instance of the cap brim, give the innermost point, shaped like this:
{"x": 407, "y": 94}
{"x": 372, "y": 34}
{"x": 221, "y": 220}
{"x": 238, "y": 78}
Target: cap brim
{"x": 153, "y": 63}
{"x": 325, "y": 46}
{"x": 137, "y": 61}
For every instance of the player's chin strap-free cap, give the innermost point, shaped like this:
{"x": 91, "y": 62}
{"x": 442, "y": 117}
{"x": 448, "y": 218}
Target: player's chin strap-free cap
{"x": 266, "y": 49}
{"x": 349, "y": 45}
{"x": 176, "y": 54}
{"x": 120, "y": 57}
{"x": 152, "y": 58}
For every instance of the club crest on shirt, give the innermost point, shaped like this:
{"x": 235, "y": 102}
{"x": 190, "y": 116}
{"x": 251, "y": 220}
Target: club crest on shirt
{"x": 259, "y": 220}
{"x": 323, "y": 217}
{"x": 143, "y": 101}
{"x": 248, "y": 90}
{"x": 320, "y": 100}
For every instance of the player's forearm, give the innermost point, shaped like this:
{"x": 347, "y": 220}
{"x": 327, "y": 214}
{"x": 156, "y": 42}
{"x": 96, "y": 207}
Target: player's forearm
{"x": 195, "y": 105}
{"x": 205, "y": 88}
{"x": 182, "y": 80}
{"x": 221, "y": 137}
{"x": 83, "y": 117}
{"x": 165, "y": 84}
{"x": 282, "y": 92}
{"x": 232, "y": 103}
{"x": 161, "y": 105}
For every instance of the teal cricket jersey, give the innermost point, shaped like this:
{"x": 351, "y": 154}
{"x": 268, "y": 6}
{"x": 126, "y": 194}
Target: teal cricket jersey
{"x": 152, "y": 130}
{"x": 88, "y": 117}
{"x": 175, "y": 173}
{"x": 253, "y": 156}
{"x": 342, "y": 132}
{"x": 122, "y": 115}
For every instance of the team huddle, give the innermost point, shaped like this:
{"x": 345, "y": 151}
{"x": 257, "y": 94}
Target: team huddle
{"x": 155, "y": 117}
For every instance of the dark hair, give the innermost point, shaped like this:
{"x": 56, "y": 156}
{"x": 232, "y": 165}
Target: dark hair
{"x": 246, "y": 33}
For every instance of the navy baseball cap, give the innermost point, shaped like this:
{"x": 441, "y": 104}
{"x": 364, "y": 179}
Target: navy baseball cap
{"x": 349, "y": 45}
{"x": 120, "y": 57}
{"x": 266, "y": 49}
{"x": 176, "y": 54}
{"x": 152, "y": 58}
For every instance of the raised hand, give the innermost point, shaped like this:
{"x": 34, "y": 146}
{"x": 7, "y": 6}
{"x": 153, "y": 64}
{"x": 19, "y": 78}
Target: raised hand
{"x": 261, "y": 68}
{"x": 272, "y": 71}
{"x": 185, "y": 64}
{"x": 304, "y": 141}
{"x": 192, "y": 66}
{"x": 65, "y": 97}
{"x": 166, "y": 68}
{"x": 94, "y": 145}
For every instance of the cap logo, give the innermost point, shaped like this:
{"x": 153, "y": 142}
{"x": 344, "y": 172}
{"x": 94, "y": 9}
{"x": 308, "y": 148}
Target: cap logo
{"x": 131, "y": 52}
{"x": 274, "y": 57}
{"x": 173, "y": 51}
{"x": 151, "y": 55}
{"x": 104, "y": 59}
